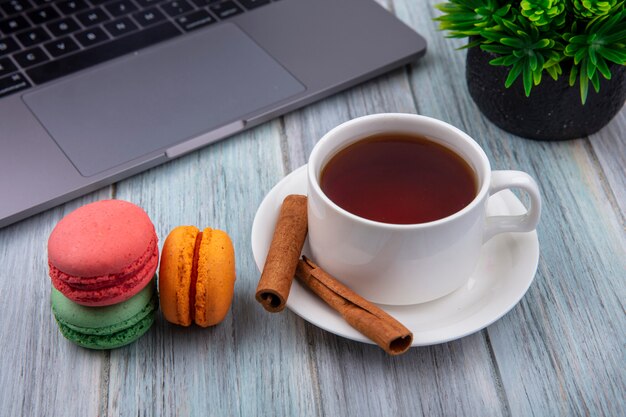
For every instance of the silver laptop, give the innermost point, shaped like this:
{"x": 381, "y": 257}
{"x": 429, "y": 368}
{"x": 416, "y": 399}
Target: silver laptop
{"x": 92, "y": 91}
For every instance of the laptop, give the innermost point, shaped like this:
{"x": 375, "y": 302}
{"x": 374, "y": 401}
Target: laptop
{"x": 93, "y": 91}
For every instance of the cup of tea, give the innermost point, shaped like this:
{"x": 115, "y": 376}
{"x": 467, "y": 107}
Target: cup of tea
{"x": 397, "y": 206}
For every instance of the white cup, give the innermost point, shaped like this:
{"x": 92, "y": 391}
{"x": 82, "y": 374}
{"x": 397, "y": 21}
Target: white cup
{"x": 400, "y": 264}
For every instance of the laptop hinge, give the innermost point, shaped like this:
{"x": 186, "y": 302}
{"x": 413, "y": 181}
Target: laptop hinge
{"x": 202, "y": 140}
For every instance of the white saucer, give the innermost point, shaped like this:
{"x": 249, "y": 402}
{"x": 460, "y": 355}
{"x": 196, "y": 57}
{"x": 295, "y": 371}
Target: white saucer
{"x": 506, "y": 269}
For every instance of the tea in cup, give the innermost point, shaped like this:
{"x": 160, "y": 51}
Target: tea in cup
{"x": 397, "y": 206}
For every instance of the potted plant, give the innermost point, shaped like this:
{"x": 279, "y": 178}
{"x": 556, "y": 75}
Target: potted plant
{"x": 543, "y": 69}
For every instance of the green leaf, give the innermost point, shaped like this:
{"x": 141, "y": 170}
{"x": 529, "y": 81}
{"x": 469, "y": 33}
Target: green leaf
{"x": 595, "y": 81}
{"x": 506, "y": 61}
{"x": 503, "y": 10}
{"x": 445, "y": 7}
{"x": 458, "y": 17}
{"x": 584, "y": 82}
{"x": 579, "y": 39}
{"x": 515, "y": 71}
{"x": 491, "y": 35}
{"x": 532, "y": 61}
{"x": 515, "y": 43}
{"x": 552, "y": 71}
{"x": 591, "y": 41}
{"x": 584, "y": 89}
{"x": 593, "y": 58}
{"x": 470, "y": 44}
{"x": 542, "y": 43}
{"x": 527, "y": 77}
{"x": 451, "y": 7}
{"x": 619, "y": 57}
{"x": 508, "y": 24}
{"x": 603, "y": 68}
{"x": 540, "y": 63}
{"x": 537, "y": 76}
{"x": 615, "y": 37}
{"x": 534, "y": 31}
{"x": 557, "y": 54}
{"x": 570, "y": 50}
{"x": 605, "y": 24}
{"x": 496, "y": 49}
{"x": 572, "y": 76}
{"x": 580, "y": 54}
{"x": 591, "y": 69}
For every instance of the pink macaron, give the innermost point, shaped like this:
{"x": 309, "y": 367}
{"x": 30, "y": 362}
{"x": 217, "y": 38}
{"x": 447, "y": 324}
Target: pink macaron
{"x": 103, "y": 253}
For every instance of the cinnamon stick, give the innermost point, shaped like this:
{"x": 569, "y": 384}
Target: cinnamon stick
{"x": 280, "y": 265}
{"x": 361, "y": 314}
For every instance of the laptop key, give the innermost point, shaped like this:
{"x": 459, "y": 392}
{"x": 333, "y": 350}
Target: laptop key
{"x": 31, "y": 57}
{"x": 13, "y": 84}
{"x": 92, "y": 17}
{"x": 63, "y": 26}
{"x": 72, "y": 6}
{"x": 6, "y": 66}
{"x": 251, "y": 4}
{"x": 91, "y": 36}
{"x": 195, "y": 20}
{"x": 33, "y": 37}
{"x": 43, "y": 15}
{"x": 149, "y": 16}
{"x": 120, "y": 8}
{"x": 120, "y": 27}
{"x": 148, "y": 3}
{"x": 202, "y": 3}
{"x": 225, "y": 9}
{"x": 15, "y": 6}
{"x": 61, "y": 46}
{"x": 8, "y": 46}
{"x": 176, "y": 7}
{"x": 42, "y": 2}
{"x": 13, "y": 24}
{"x": 101, "y": 53}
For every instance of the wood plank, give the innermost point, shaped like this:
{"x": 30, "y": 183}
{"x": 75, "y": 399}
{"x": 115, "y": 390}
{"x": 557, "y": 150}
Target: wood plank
{"x": 253, "y": 363}
{"x": 549, "y": 352}
{"x": 358, "y": 379}
{"x": 609, "y": 145}
{"x": 449, "y": 379}
{"x": 41, "y": 372}
{"x": 568, "y": 331}
{"x": 559, "y": 352}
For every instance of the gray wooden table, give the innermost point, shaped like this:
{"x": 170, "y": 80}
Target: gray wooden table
{"x": 559, "y": 352}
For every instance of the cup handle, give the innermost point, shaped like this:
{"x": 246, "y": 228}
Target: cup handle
{"x": 527, "y": 222}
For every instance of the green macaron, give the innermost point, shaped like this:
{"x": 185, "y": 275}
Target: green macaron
{"x": 106, "y": 327}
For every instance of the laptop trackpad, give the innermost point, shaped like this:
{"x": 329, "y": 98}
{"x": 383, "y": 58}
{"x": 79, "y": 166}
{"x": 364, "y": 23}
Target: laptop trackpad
{"x": 160, "y": 97}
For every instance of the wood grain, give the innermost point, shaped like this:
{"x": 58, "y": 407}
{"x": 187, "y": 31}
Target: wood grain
{"x": 573, "y": 315}
{"x": 547, "y": 349}
{"x": 609, "y": 145}
{"x": 40, "y": 371}
{"x": 560, "y": 352}
{"x": 235, "y": 367}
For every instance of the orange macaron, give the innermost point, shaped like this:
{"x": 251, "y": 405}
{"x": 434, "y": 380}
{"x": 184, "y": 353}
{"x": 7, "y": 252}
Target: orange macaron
{"x": 196, "y": 276}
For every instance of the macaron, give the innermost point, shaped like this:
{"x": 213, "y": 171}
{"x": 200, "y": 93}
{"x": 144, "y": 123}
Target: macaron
{"x": 106, "y": 327}
{"x": 196, "y": 276}
{"x": 103, "y": 253}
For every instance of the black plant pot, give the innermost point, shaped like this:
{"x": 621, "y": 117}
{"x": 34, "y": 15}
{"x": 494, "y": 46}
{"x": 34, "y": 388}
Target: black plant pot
{"x": 553, "y": 111}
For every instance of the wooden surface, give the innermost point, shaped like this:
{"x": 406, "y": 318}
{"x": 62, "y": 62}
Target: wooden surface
{"x": 559, "y": 352}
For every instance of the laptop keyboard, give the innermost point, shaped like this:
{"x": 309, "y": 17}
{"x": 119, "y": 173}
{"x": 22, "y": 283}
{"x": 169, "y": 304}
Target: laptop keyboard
{"x": 41, "y": 40}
